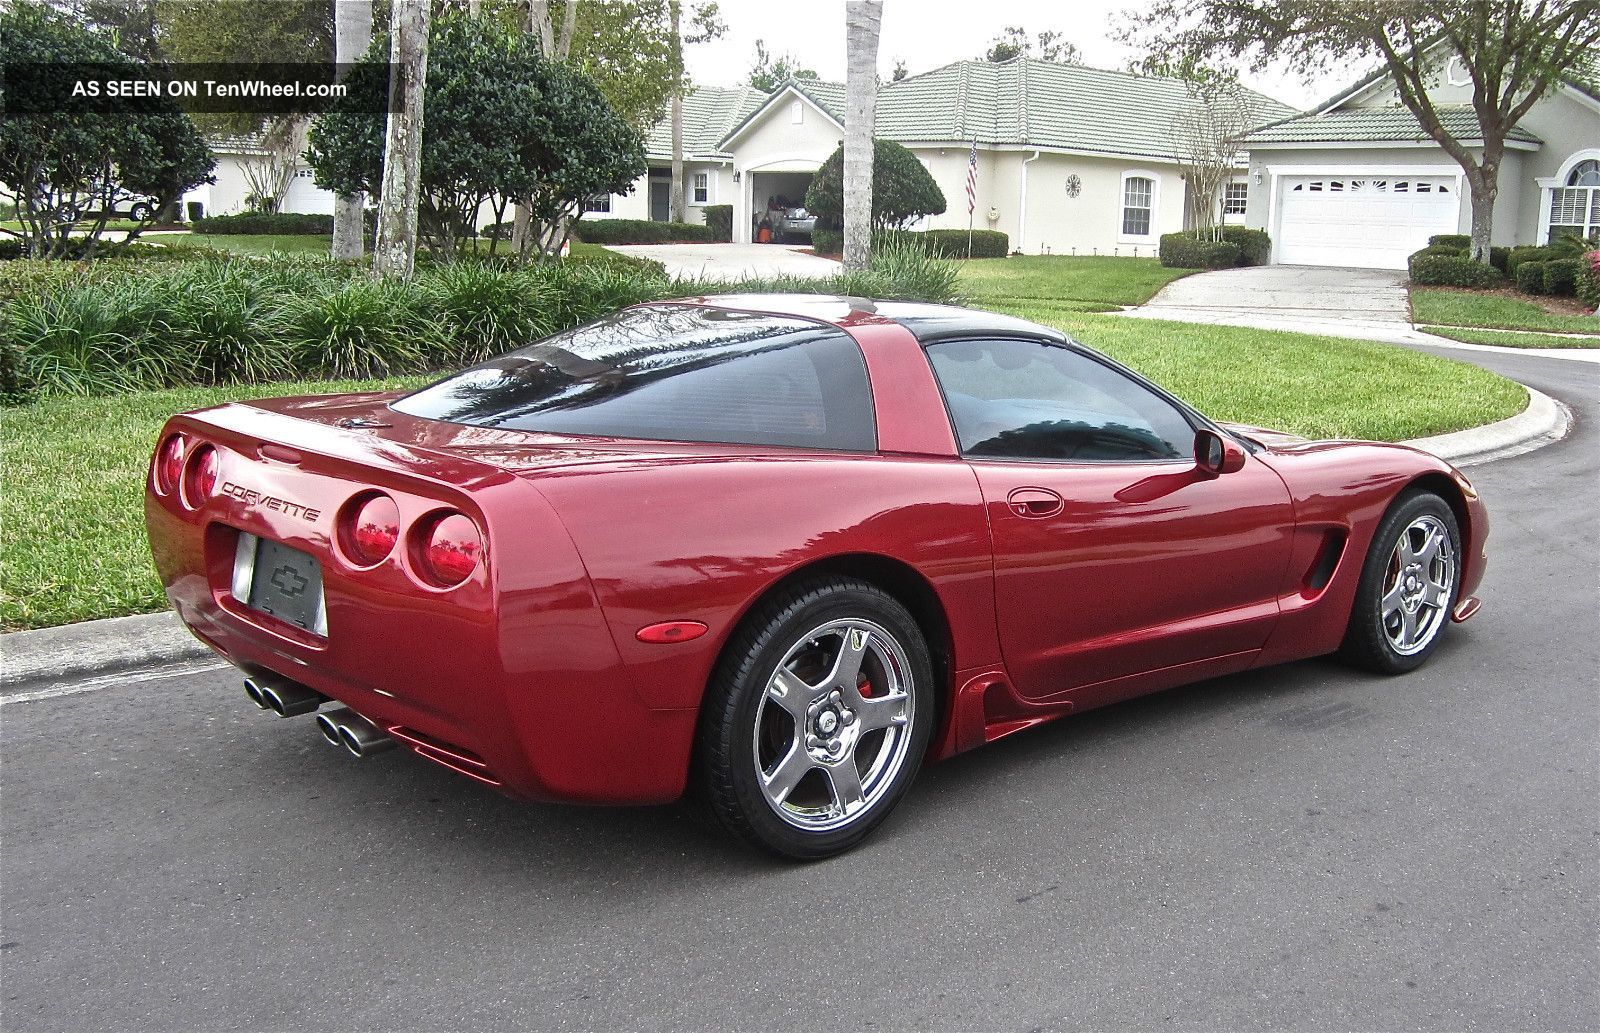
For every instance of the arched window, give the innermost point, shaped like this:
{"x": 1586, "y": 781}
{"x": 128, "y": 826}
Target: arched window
{"x": 1575, "y": 207}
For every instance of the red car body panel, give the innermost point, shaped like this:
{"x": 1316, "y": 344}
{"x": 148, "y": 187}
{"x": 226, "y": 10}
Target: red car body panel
{"x": 533, "y": 676}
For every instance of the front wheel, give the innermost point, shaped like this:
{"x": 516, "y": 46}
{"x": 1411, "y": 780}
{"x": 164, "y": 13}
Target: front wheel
{"x": 141, "y": 212}
{"x": 817, "y": 721}
{"x": 1408, "y": 587}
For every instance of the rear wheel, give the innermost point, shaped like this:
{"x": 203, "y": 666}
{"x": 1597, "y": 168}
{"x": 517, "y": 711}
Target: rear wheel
{"x": 818, "y": 720}
{"x": 1408, "y": 587}
{"x": 141, "y": 211}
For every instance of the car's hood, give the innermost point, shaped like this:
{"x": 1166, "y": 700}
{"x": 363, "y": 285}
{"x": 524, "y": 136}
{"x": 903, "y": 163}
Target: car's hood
{"x": 1265, "y": 436}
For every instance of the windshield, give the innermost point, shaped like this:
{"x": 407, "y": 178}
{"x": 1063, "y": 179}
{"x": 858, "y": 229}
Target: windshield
{"x": 673, "y": 373}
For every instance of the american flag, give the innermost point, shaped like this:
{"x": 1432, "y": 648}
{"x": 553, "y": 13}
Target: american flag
{"x": 972, "y": 178}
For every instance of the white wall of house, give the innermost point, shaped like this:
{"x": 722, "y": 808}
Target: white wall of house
{"x": 794, "y": 136}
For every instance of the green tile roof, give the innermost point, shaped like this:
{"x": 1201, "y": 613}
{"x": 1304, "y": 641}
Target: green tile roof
{"x": 1026, "y": 102}
{"x": 1373, "y": 125}
{"x": 708, "y": 114}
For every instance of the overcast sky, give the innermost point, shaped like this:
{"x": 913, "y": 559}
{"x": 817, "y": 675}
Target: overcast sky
{"x": 929, "y": 33}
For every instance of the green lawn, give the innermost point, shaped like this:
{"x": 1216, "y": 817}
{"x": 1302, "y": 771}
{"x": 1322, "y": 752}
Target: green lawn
{"x": 1440, "y": 306}
{"x": 1062, "y": 284}
{"x": 1511, "y": 340}
{"x": 72, "y": 497}
{"x": 249, "y": 244}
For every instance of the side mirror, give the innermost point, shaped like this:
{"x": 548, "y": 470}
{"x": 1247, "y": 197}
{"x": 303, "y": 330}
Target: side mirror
{"x": 1216, "y": 454}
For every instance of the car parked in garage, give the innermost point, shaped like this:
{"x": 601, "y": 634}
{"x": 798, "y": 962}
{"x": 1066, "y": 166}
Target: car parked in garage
{"x": 776, "y": 552}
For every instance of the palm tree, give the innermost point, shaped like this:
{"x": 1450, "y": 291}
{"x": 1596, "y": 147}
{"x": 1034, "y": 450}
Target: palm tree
{"x": 352, "y": 27}
{"x": 395, "y": 253}
{"x": 863, "y": 20}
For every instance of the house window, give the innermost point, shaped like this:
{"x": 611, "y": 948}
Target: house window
{"x": 797, "y": 113}
{"x": 1138, "y": 204}
{"x": 1234, "y": 197}
{"x": 598, "y": 203}
{"x": 1575, "y": 207}
{"x": 702, "y": 187}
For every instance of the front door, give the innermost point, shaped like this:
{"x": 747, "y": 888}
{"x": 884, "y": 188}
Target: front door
{"x": 661, "y": 200}
{"x": 1114, "y": 554}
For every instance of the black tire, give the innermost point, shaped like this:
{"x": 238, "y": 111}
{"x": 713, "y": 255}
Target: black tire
{"x": 726, "y": 779}
{"x": 1369, "y": 640}
{"x": 140, "y": 212}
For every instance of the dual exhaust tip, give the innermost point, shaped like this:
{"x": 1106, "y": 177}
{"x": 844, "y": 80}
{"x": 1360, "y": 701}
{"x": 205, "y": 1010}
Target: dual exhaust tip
{"x": 343, "y": 727}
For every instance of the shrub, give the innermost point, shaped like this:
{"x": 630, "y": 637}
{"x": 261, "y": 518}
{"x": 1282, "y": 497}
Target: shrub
{"x": 1589, "y": 280}
{"x": 1255, "y": 247}
{"x": 1525, "y": 253}
{"x": 719, "y": 220}
{"x": 903, "y": 190}
{"x": 229, "y": 320}
{"x": 640, "y": 231}
{"x": 1455, "y": 241}
{"x": 259, "y": 223}
{"x": 1430, "y": 268}
{"x": 1183, "y": 251}
{"x": 953, "y": 243}
{"x": 1530, "y": 277}
{"x": 18, "y": 385}
{"x": 1499, "y": 256}
{"x": 825, "y": 241}
{"x": 358, "y": 328}
{"x": 1561, "y": 276}
{"x": 478, "y": 310}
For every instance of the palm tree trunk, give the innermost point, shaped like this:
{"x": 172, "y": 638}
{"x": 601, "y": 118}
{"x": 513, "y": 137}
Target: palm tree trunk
{"x": 677, "y": 209}
{"x": 395, "y": 253}
{"x": 352, "y": 34}
{"x": 863, "y": 20}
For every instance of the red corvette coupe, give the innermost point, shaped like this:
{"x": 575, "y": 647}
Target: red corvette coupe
{"x": 778, "y": 551}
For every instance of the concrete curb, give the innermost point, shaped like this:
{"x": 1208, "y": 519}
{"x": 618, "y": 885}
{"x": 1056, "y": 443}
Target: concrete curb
{"x": 32, "y": 660}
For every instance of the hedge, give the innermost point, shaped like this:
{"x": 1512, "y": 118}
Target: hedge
{"x": 1530, "y": 277}
{"x": 1589, "y": 280}
{"x": 1183, "y": 251}
{"x": 1255, "y": 247}
{"x": 719, "y": 220}
{"x": 1431, "y": 268}
{"x": 1561, "y": 276}
{"x": 1454, "y": 241}
{"x": 641, "y": 231}
{"x": 259, "y": 223}
{"x": 827, "y": 241}
{"x": 1526, "y": 253}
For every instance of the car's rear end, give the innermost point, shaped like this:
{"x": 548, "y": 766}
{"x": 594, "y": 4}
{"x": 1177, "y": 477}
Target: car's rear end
{"x": 329, "y": 548}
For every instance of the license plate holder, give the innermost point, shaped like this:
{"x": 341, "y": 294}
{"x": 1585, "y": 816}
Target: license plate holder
{"x": 283, "y": 582}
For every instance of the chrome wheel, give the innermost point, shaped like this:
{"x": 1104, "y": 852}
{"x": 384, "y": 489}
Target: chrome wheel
{"x": 833, "y": 725}
{"x": 1418, "y": 585}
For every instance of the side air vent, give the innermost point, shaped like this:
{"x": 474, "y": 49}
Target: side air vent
{"x": 1327, "y": 561}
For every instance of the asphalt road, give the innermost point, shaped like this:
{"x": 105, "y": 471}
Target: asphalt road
{"x": 1302, "y": 847}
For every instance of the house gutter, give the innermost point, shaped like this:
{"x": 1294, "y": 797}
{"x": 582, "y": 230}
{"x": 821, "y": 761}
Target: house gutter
{"x": 1022, "y": 207}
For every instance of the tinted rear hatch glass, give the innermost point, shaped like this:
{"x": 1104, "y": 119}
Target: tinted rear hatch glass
{"x": 673, "y": 373}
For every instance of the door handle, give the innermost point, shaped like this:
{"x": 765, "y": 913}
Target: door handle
{"x": 1034, "y": 502}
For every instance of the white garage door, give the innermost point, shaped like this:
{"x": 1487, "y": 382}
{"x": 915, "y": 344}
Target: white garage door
{"x": 1365, "y": 222}
{"x": 304, "y": 197}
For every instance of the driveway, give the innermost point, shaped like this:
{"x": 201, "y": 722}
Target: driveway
{"x": 1366, "y": 303}
{"x": 733, "y": 261}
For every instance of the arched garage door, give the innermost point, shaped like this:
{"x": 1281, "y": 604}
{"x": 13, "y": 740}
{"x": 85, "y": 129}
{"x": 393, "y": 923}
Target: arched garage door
{"x": 1366, "y": 222}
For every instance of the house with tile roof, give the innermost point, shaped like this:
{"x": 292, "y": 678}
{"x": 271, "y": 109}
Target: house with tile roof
{"x": 1356, "y": 182}
{"x": 1071, "y": 159}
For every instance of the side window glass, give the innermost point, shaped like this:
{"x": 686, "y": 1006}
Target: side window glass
{"x": 1018, "y": 399}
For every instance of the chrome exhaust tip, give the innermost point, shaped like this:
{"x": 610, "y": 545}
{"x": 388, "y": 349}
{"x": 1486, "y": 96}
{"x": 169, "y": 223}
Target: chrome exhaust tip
{"x": 359, "y": 737}
{"x": 281, "y": 696}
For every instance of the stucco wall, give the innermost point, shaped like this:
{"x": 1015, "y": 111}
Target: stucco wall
{"x": 777, "y": 143}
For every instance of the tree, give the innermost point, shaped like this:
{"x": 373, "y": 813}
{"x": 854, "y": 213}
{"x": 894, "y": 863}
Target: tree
{"x": 352, "y": 37}
{"x": 132, "y": 22}
{"x": 1208, "y": 138}
{"x": 556, "y": 142}
{"x": 1013, "y": 42}
{"x": 247, "y": 32}
{"x": 1513, "y": 51}
{"x": 705, "y": 23}
{"x": 771, "y": 70}
{"x": 394, "y": 254}
{"x": 58, "y": 165}
{"x": 863, "y": 22}
{"x": 903, "y": 190}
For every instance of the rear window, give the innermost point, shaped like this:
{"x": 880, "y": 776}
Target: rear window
{"x": 673, "y": 373}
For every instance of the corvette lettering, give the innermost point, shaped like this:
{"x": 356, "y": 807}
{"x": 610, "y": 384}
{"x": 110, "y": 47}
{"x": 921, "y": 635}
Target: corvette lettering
{"x": 251, "y": 497}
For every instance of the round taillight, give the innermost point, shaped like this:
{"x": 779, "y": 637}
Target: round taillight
{"x": 200, "y": 482}
{"x": 169, "y": 464}
{"x": 451, "y": 548}
{"x": 371, "y": 529}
